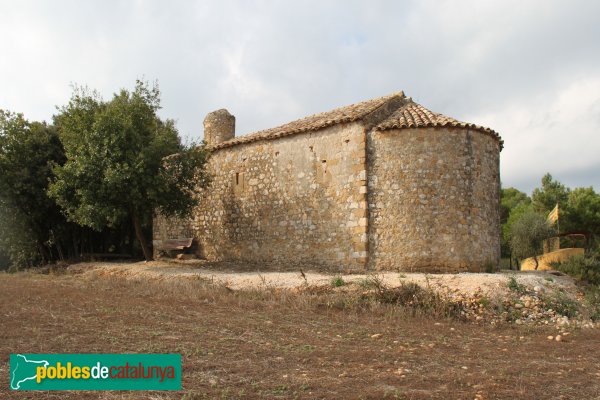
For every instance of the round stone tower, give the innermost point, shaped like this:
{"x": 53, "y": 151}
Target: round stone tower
{"x": 219, "y": 126}
{"x": 434, "y": 190}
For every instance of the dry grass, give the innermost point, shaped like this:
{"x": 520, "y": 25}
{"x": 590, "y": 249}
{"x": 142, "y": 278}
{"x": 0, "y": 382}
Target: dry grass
{"x": 268, "y": 343}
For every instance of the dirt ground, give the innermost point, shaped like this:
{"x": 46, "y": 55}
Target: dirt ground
{"x": 279, "y": 344}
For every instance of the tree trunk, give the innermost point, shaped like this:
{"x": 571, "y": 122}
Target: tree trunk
{"x": 43, "y": 251}
{"x": 140, "y": 236}
{"x": 536, "y": 262}
{"x": 59, "y": 250}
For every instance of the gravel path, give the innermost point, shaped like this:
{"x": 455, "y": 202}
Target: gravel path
{"x": 231, "y": 276}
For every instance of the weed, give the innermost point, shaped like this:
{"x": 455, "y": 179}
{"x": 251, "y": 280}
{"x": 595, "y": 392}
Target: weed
{"x": 549, "y": 279}
{"x": 307, "y": 348}
{"x": 304, "y": 387}
{"x": 193, "y": 396}
{"x": 484, "y": 301}
{"x": 378, "y": 282}
{"x": 263, "y": 279}
{"x": 371, "y": 282}
{"x": 490, "y": 267}
{"x": 401, "y": 276}
{"x": 515, "y": 286}
{"x": 280, "y": 389}
{"x": 337, "y": 281}
{"x": 592, "y": 300}
{"x": 364, "y": 283}
{"x": 414, "y": 299}
{"x": 562, "y": 303}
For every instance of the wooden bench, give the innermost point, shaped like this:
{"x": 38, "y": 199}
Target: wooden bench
{"x": 171, "y": 246}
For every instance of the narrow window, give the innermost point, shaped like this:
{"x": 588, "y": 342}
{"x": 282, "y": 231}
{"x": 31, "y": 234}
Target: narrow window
{"x": 237, "y": 178}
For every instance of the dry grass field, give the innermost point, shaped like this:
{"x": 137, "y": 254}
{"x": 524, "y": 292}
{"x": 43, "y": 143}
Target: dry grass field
{"x": 283, "y": 344}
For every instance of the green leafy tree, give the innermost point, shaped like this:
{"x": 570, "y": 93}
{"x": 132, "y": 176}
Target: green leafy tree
{"x": 582, "y": 213}
{"x": 551, "y": 193}
{"x": 506, "y": 228}
{"x": 116, "y": 168}
{"x": 511, "y": 198}
{"x": 513, "y": 203}
{"x": 527, "y": 234}
{"x": 31, "y": 224}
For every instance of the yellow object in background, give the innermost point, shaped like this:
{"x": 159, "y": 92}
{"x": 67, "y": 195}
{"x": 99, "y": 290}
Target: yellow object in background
{"x": 544, "y": 260}
{"x": 553, "y": 216}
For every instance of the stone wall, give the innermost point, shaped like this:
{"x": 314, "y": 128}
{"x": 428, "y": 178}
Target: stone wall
{"x": 170, "y": 228}
{"x": 433, "y": 200}
{"x": 297, "y": 200}
{"x": 423, "y": 199}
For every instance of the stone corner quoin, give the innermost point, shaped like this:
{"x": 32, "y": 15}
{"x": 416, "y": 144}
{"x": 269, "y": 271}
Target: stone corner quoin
{"x": 380, "y": 185}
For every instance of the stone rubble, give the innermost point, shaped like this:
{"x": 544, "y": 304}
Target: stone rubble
{"x": 530, "y": 308}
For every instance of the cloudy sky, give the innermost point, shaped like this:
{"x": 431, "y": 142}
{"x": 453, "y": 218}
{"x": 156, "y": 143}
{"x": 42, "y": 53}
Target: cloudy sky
{"x": 528, "y": 69}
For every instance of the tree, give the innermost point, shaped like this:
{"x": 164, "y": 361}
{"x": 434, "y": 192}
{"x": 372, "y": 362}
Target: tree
{"x": 513, "y": 203}
{"x": 527, "y": 234}
{"x": 551, "y": 193}
{"x": 116, "y": 167}
{"x": 505, "y": 243}
{"x": 511, "y": 198}
{"x": 30, "y": 222}
{"x": 582, "y": 213}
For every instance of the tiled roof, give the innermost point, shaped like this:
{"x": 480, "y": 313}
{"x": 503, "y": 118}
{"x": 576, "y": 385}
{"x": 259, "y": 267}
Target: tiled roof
{"x": 408, "y": 114}
{"x": 413, "y": 115}
{"x": 353, "y": 112}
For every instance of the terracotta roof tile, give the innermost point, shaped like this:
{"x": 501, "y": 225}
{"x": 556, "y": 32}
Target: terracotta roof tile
{"x": 408, "y": 115}
{"x": 413, "y": 115}
{"x": 353, "y": 112}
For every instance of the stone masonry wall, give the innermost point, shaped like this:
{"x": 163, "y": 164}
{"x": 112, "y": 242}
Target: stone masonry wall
{"x": 297, "y": 200}
{"x": 170, "y": 228}
{"x": 433, "y": 200}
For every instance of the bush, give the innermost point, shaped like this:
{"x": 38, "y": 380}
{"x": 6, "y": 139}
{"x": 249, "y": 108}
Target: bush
{"x": 413, "y": 298}
{"x": 592, "y": 298}
{"x": 562, "y": 304}
{"x": 337, "y": 281}
{"x": 515, "y": 286}
{"x": 583, "y": 267}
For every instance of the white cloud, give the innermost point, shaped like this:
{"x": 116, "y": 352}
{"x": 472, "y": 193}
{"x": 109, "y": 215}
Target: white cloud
{"x": 527, "y": 69}
{"x": 556, "y": 132}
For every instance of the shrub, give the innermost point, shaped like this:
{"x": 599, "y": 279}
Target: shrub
{"x": 515, "y": 286}
{"x": 592, "y": 298}
{"x": 337, "y": 281}
{"x": 562, "y": 304}
{"x": 415, "y": 299}
{"x": 583, "y": 267}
